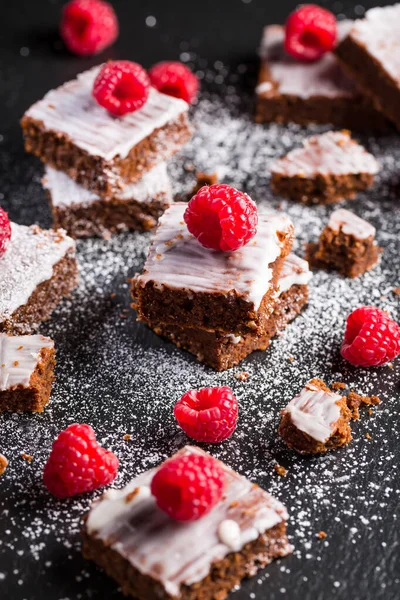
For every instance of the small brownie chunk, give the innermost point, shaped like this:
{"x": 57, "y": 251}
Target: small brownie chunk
{"x": 370, "y": 53}
{"x": 347, "y": 245}
{"x": 327, "y": 169}
{"x": 68, "y": 130}
{"x": 291, "y": 90}
{"x": 221, "y": 350}
{"x": 153, "y": 557}
{"x": 188, "y": 285}
{"x": 316, "y": 420}
{"x": 37, "y": 271}
{"x": 83, "y": 213}
{"x": 26, "y": 372}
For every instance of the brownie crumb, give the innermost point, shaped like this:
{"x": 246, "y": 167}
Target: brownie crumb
{"x": 204, "y": 179}
{"x": 396, "y": 291}
{"x": 132, "y": 495}
{"x": 291, "y": 358}
{"x": 3, "y": 464}
{"x": 243, "y": 376}
{"x": 281, "y": 471}
{"x": 322, "y": 535}
{"x": 368, "y": 436}
{"x": 354, "y": 401}
{"x": 338, "y": 385}
{"x": 27, "y": 457}
{"x": 127, "y": 437}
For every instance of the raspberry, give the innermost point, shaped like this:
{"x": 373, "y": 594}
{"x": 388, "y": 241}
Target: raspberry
{"x": 88, "y": 26}
{"x": 310, "y": 32}
{"x": 5, "y": 231}
{"x": 187, "y": 487}
{"x": 221, "y": 217}
{"x": 121, "y": 87}
{"x": 371, "y": 338}
{"x": 77, "y": 463}
{"x": 208, "y": 415}
{"x": 174, "y": 79}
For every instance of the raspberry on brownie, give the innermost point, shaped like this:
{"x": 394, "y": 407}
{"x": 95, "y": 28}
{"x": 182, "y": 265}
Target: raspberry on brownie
{"x": 291, "y": 90}
{"x": 347, "y": 245}
{"x": 71, "y": 132}
{"x": 137, "y": 206}
{"x": 310, "y": 32}
{"x": 151, "y": 555}
{"x": 37, "y": 270}
{"x": 26, "y": 372}
{"x": 326, "y": 169}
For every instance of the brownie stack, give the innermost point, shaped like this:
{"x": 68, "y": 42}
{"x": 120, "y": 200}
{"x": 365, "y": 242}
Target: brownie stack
{"x": 220, "y": 306}
{"x": 105, "y": 174}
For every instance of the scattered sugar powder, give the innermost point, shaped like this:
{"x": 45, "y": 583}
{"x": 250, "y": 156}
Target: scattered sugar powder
{"x": 117, "y": 376}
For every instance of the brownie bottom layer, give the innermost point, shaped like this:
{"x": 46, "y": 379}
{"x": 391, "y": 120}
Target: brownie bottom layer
{"x": 45, "y": 298}
{"x": 35, "y": 397}
{"x": 322, "y": 189}
{"x": 221, "y": 351}
{"x": 104, "y": 217}
{"x": 224, "y": 576}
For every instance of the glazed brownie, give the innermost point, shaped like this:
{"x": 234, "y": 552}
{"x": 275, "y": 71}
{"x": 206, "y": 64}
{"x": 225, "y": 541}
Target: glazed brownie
{"x": 185, "y": 284}
{"x": 82, "y": 213}
{"x": 316, "y": 420}
{"x": 224, "y": 350}
{"x": 371, "y": 53}
{"x": 347, "y": 244}
{"x": 327, "y": 169}
{"x": 37, "y": 270}
{"x": 26, "y": 372}
{"x": 290, "y": 90}
{"x": 68, "y": 130}
{"x": 153, "y": 557}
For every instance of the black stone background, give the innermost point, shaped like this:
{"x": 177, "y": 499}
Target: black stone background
{"x": 39, "y": 543}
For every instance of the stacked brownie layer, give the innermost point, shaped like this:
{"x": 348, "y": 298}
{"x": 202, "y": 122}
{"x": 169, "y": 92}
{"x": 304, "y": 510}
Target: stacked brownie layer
{"x": 112, "y": 172}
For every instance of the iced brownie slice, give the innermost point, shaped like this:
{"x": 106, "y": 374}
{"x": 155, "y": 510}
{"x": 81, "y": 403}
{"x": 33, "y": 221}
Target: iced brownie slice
{"x": 26, "y": 372}
{"x": 153, "y": 557}
{"x": 347, "y": 244}
{"x": 82, "y": 213}
{"x": 37, "y": 270}
{"x": 316, "y": 420}
{"x": 224, "y": 350}
{"x": 290, "y": 90}
{"x": 185, "y": 284}
{"x": 68, "y": 130}
{"x": 370, "y": 53}
{"x": 327, "y": 169}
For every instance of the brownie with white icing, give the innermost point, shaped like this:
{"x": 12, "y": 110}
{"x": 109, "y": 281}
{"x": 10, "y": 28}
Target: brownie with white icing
{"x": 221, "y": 350}
{"x": 37, "y": 270}
{"x": 153, "y": 557}
{"x": 370, "y": 54}
{"x": 188, "y": 285}
{"x": 68, "y": 130}
{"x": 347, "y": 244}
{"x": 326, "y": 169}
{"x": 290, "y": 90}
{"x": 26, "y": 372}
{"x": 82, "y": 213}
{"x": 316, "y": 420}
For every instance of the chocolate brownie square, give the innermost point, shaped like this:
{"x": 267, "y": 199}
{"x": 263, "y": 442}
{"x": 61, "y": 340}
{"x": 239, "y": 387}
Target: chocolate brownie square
{"x": 82, "y": 213}
{"x": 327, "y": 169}
{"x": 370, "y": 53}
{"x": 37, "y": 270}
{"x": 153, "y": 557}
{"x": 188, "y": 285}
{"x": 68, "y": 130}
{"x": 26, "y": 372}
{"x": 347, "y": 244}
{"x": 224, "y": 350}
{"x": 290, "y": 90}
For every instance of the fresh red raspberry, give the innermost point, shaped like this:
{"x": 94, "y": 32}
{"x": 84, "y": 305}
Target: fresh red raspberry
{"x": 187, "y": 487}
{"x": 310, "y": 32}
{"x": 88, "y": 26}
{"x": 221, "y": 217}
{"x": 174, "y": 79}
{"x": 371, "y": 338}
{"x": 121, "y": 87}
{"x": 77, "y": 463}
{"x": 5, "y": 231}
{"x": 207, "y": 415}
